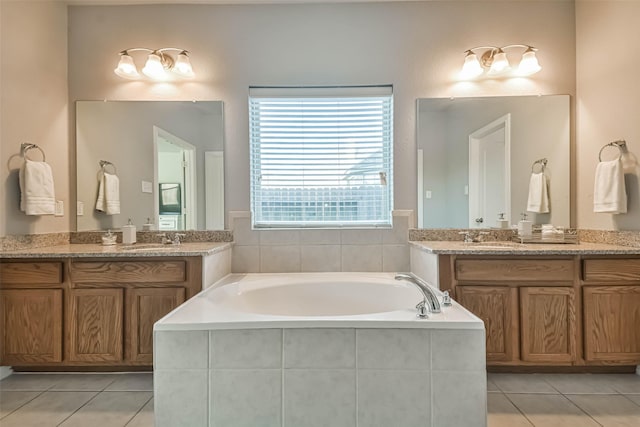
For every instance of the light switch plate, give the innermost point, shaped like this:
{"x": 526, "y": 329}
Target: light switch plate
{"x": 80, "y": 209}
{"x": 147, "y": 187}
{"x": 427, "y": 194}
{"x": 59, "y": 208}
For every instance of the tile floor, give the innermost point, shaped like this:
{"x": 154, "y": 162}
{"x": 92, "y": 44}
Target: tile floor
{"x": 514, "y": 400}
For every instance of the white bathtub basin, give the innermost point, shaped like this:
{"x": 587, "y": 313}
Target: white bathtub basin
{"x": 299, "y": 300}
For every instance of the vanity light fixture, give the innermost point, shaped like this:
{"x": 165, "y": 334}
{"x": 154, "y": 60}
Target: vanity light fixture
{"x": 494, "y": 61}
{"x": 159, "y": 66}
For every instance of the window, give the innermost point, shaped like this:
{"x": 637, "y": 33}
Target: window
{"x": 321, "y": 157}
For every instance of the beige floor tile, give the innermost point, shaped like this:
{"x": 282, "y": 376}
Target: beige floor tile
{"x": 12, "y": 400}
{"x": 634, "y": 398}
{"x": 625, "y": 383}
{"x": 28, "y": 382}
{"x": 82, "y": 382}
{"x": 48, "y": 409}
{"x": 132, "y": 382}
{"x": 551, "y": 410}
{"x": 109, "y": 409}
{"x": 580, "y": 383}
{"x": 522, "y": 383}
{"x": 502, "y": 413}
{"x": 144, "y": 418}
{"x": 491, "y": 386}
{"x": 609, "y": 410}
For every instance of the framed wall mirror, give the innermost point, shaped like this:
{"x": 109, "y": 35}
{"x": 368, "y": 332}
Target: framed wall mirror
{"x": 167, "y": 157}
{"x": 476, "y": 158}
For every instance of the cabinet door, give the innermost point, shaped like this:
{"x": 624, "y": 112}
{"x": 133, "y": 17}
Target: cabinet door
{"x": 31, "y": 326}
{"x": 497, "y": 306}
{"x": 145, "y": 306}
{"x": 612, "y": 323}
{"x": 547, "y": 319}
{"x": 95, "y": 325}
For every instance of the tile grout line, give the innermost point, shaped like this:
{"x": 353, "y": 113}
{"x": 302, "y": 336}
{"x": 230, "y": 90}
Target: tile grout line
{"x": 82, "y": 406}
{"x": 39, "y": 393}
{"x": 519, "y": 410}
{"x": 583, "y": 411}
{"x": 140, "y": 410}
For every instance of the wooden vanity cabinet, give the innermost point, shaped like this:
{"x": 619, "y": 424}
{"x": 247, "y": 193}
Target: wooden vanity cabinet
{"x": 527, "y": 305}
{"x": 31, "y": 308}
{"x": 611, "y": 304}
{"x": 79, "y": 312}
{"x": 497, "y": 306}
{"x": 114, "y": 304}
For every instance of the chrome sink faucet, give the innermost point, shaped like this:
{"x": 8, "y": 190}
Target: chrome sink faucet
{"x": 430, "y": 303}
{"x": 176, "y": 238}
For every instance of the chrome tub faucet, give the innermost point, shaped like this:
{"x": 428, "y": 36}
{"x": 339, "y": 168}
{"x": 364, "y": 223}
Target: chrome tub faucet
{"x": 430, "y": 303}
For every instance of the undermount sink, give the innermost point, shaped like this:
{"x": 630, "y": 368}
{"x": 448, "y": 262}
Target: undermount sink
{"x": 149, "y": 248}
{"x": 494, "y": 245}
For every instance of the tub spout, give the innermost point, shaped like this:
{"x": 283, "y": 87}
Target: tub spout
{"x": 430, "y": 302}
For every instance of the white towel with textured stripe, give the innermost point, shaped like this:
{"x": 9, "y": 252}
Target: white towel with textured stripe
{"x": 538, "y": 200}
{"x": 37, "y": 195}
{"x": 108, "y": 194}
{"x": 609, "y": 193}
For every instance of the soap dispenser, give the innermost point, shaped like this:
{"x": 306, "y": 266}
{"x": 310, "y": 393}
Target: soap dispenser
{"x": 501, "y": 222}
{"x": 129, "y": 233}
{"x": 525, "y": 227}
{"x": 148, "y": 226}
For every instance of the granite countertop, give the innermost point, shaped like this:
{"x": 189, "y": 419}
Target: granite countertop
{"x": 513, "y": 248}
{"x": 119, "y": 250}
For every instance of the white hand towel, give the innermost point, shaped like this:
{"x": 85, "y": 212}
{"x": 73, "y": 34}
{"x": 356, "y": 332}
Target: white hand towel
{"x": 37, "y": 196}
{"x": 609, "y": 193}
{"x": 538, "y": 200}
{"x": 108, "y": 194}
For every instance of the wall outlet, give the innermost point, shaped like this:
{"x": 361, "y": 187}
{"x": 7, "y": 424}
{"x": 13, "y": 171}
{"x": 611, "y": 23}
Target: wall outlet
{"x": 147, "y": 187}
{"x": 59, "y": 208}
{"x": 80, "y": 208}
{"x": 466, "y": 190}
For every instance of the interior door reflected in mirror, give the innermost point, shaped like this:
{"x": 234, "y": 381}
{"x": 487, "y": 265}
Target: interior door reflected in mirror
{"x": 169, "y": 160}
{"x": 475, "y": 158}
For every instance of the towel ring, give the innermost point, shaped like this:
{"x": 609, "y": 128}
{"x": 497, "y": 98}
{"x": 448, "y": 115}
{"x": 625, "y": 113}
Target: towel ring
{"x": 105, "y": 163}
{"x": 621, "y": 144}
{"x": 26, "y": 146}
{"x": 541, "y": 162}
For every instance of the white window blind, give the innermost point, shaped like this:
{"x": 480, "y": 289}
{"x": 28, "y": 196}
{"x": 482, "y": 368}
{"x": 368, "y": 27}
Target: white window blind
{"x": 321, "y": 157}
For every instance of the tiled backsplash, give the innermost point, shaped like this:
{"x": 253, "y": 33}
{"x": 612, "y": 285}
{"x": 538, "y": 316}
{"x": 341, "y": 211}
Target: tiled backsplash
{"x": 191, "y": 236}
{"x": 25, "y": 241}
{"x": 290, "y": 251}
{"x": 453, "y": 234}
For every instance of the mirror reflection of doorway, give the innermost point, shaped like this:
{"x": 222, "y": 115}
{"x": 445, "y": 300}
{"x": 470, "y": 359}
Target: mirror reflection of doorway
{"x": 490, "y": 170}
{"x": 174, "y": 167}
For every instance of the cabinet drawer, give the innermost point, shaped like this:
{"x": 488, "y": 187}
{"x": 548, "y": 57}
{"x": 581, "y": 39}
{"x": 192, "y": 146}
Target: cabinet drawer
{"x": 603, "y": 270}
{"x": 30, "y": 272}
{"x": 529, "y": 270}
{"x": 129, "y": 271}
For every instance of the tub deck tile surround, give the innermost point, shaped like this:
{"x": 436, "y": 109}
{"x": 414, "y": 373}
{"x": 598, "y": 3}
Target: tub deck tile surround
{"x": 321, "y": 372}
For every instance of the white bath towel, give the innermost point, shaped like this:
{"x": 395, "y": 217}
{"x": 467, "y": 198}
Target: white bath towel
{"x": 538, "y": 200}
{"x": 37, "y": 196}
{"x": 108, "y": 194}
{"x": 609, "y": 193}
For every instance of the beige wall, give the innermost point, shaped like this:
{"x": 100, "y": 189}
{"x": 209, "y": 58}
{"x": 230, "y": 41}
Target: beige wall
{"x": 608, "y": 101}
{"x": 416, "y": 46}
{"x": 33, "y": 105}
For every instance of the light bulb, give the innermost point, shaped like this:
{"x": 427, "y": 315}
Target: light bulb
{"x": 471, "y": 67}
{"x": 126, "y": 68}
{"x": 529, "y": 63}
{"x": 183, "y": 65}
{"x": 500, "y": 63}
{"x": 154, "y": 68}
